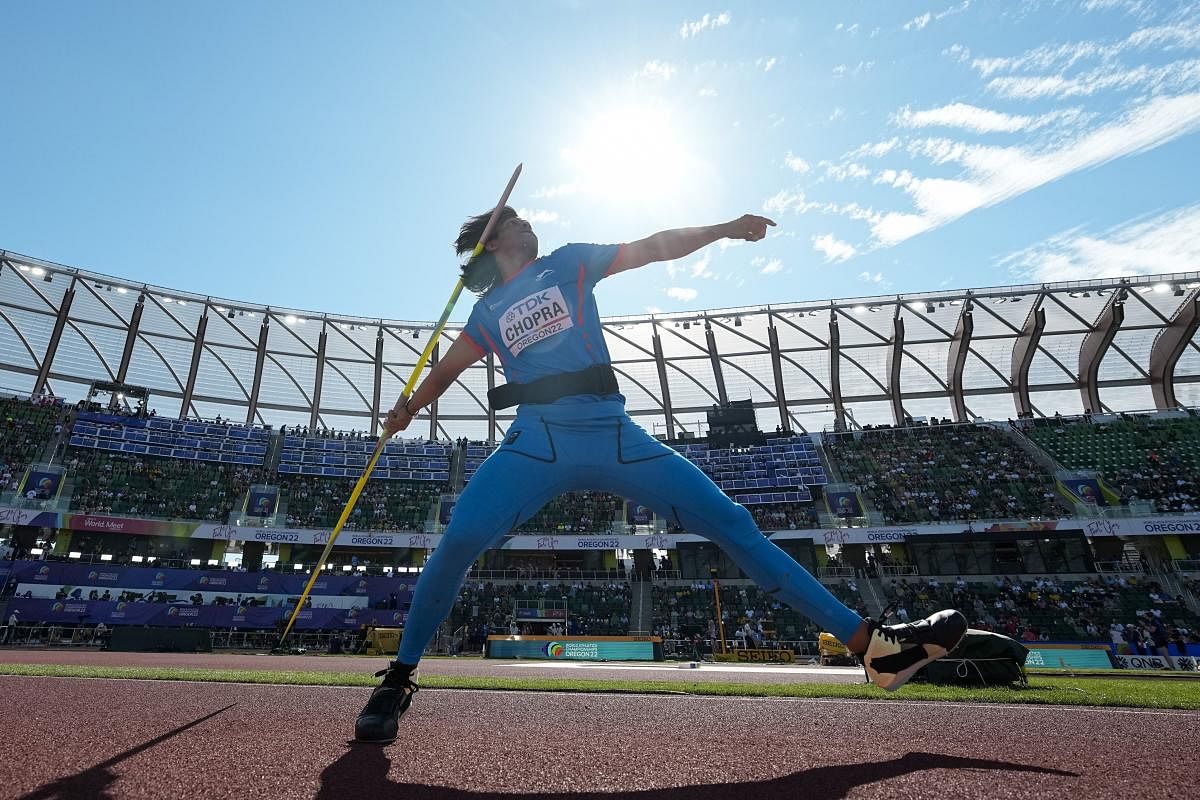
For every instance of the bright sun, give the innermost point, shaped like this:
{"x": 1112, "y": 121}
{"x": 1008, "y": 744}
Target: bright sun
{"x": 632, "y": 153}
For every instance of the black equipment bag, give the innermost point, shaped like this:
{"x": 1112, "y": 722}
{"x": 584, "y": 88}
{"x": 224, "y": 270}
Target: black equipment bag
{"x": 981, "y": 659}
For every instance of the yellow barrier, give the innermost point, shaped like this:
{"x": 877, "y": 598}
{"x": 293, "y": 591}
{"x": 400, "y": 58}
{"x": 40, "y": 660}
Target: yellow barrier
{"x": 383, "y": 641}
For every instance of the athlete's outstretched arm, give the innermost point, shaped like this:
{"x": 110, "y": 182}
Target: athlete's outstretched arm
{"x": 461, "y": 355}
{"x": 680, "y": 242}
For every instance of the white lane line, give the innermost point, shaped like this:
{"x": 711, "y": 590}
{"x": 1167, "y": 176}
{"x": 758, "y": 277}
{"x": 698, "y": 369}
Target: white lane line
{"x": 774, "y": 670}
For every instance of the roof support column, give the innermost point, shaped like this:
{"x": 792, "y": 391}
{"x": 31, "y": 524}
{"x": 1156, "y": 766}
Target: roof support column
{"x": 316, "y": 397}
{"x": 135, "y": 322}
{"x": 377, "y": 389}
{"x": 194, "y": 365}
{"x": 957, "y": 361}
{"x": 258, "y": 367}
{"x": 60, "y": 322}
{"x": 1024, "y": 349}
{"x": 433, "y": 407}
{"x": 661, "y": 363}
{"x": 1095, "y": 345}
{"x": 1168, "y": 346}
{"x": 835, "y": 372}
{"x": 777, "y": 371}
{"x": 894, "y": 360}
{"x": 713, "y": 357}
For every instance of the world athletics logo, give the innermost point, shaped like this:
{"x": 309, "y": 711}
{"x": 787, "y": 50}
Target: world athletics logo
{"x": 555, "y": 649}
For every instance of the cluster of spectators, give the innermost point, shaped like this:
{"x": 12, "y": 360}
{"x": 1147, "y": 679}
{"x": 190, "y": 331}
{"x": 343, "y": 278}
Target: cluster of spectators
{"x": 784, "y": 516}
{"x": 591, "y": 609}
{"x": 384, "y": 505}
{"x": 576, "y": 512}
{"x": 1154, "y": 460}
{"x": 1046, "y": 609}
{"x": 748, "y": 614}
{"x": 139, "y": 485}
{"x": 25, "y": 428}
{"x": 931, "y": 473}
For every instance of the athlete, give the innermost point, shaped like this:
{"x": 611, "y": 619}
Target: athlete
{"x": 539, "y": 318}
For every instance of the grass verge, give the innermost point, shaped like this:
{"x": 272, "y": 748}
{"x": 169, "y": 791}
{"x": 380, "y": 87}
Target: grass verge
{"x": 1046, "y": 690}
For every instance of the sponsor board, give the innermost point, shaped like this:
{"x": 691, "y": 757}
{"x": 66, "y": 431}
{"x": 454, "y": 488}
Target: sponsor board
{"x": 1184, "y": 663}
{"x": 742, "y": 656}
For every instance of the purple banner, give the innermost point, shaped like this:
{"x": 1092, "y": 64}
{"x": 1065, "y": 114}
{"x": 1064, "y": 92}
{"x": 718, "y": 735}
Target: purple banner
{"x": 637, "y": 514}
{"x": 843, "y": 504}
{"x": 1087, "y": 490}
{"x": 56, "y": 573}
{"x": 176, "y": 615}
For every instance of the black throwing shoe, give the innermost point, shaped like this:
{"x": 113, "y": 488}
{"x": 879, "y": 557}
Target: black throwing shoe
{"x": 380, "y": 718}
{"x": 896, "y": 652}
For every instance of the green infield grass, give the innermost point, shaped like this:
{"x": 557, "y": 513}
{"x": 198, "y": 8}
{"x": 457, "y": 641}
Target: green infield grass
{"x": 1043, "y": 689}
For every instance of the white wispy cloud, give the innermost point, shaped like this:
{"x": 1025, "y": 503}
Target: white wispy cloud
{"x": 833, "y": 248}
{"x": 1176, "y": 76}
{"x": 874, "y": 149}
{"x": 700, "y": 269}
{"x": 766, "y": 266}
{"x": 958, "y": 52}
{"x": 796, "y": 163}
{"x": 659, "y": 70}
{"x": 707, "y": 92}
{"x": 994, "y": 174}
{"x": 538, "y": 216}
{"x": 682, "y": 294}
{"x": 919, "y": 22}
{"x": 837, "y": 113}
{"x": 556, "y": 191}
{"x": 1159, "y": 38}
{"x": 653, "y": 310}
{"x": 766, "y": 63}
{"x": 707, "y": 22}
{"x": 982, "y": 120}
{"x": 867, "y": 277}
{"x": 841, "y": 172}
{"x": 1169, "y": 242}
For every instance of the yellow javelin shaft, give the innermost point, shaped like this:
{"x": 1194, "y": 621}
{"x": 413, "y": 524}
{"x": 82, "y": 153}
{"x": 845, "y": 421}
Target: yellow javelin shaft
{"x": 408, "y": 388}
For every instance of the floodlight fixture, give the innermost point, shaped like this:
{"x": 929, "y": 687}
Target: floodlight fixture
{"x": 106, "y": 556}
{"x": 74, "y": 554}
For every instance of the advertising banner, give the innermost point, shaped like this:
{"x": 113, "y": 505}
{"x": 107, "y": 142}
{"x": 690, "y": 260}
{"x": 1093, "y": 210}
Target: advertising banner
{"x": 178, "y": 615}
{"x": 570, "y": 648}
{"x": 1067, "y": 657}
{"x": 58, "y": 573}
{"x": 41, "y": 483}
{"x": 843, "y": 504}
{"x": 1086, "y": 490}
{"x": 261, "y": 501}
{"x": 28, "y": 517}
{"x": 1183, "y": 663}
{"x": 636, "y": 514}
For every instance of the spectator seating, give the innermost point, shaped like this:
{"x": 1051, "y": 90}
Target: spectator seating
{"x": 26, "y": 428}
{"x": 780, "y": 471}
{"x": 576, "y": 512}
{"x": 944, "y": 472}
{"x": 1139, "y": 457}
{"x": 1047, "y": 608}
{"x": 185, "y": 440}
{"x": 592, "y": 609}
{"x": 108, "y": 482}
{"x": 384, "y": 505}
{"x": 346, "y": 457}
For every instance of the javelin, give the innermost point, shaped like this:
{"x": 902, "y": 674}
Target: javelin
{"x": 408, "y": 388}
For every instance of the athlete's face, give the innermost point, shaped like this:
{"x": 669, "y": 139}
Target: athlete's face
{"x": 514, "y": 235}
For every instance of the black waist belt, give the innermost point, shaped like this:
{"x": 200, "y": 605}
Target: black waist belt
{"x": 596, "y": 379}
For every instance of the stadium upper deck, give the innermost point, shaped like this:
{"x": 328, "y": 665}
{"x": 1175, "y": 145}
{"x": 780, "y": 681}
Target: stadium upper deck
{"x": 1111, "y": 344}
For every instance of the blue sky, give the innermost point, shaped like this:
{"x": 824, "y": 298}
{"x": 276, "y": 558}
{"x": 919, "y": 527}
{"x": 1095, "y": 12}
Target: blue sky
{"x": 322, "y": 156}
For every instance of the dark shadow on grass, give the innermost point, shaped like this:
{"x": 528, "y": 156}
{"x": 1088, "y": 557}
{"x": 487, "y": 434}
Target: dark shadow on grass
{"x": 95, "y": 782}
{"x": 363, "y": 772}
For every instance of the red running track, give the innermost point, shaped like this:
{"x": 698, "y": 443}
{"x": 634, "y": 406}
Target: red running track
{"x": 78, "y": 738}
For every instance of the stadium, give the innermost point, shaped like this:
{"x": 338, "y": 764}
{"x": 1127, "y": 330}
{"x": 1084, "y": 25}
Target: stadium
{"x": 174, "y": 465}
{"x": 814, "y": 413}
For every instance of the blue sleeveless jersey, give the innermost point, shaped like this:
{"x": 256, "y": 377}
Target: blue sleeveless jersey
{"x": 544, "y": 321}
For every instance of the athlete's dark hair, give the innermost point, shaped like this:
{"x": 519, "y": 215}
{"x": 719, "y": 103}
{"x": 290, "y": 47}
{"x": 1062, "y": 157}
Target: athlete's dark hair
{"x": 480, "y": 274}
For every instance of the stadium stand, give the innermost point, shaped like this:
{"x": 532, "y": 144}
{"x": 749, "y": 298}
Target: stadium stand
{"x": 1140, "y": 457}
{"x": 384, "y": 505}
{"x": 577, "y": 512}
{"x": 930, "y": 473}
{"x": 591, "y": 609}
{"x": 27, "y": 427}
{"x": 780, "y": 471}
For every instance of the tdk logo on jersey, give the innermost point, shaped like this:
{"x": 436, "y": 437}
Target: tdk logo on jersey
{"x": 534, "y": 318}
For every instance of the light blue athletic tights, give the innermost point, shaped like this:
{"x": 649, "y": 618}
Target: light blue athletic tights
{"x": 551, "y": 449}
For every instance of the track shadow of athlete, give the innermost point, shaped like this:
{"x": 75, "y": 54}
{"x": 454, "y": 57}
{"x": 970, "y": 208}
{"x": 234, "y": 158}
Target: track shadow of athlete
{"x": 95, "y": 783}
{"x": 363, "y": 772}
